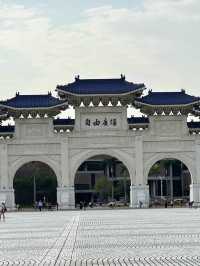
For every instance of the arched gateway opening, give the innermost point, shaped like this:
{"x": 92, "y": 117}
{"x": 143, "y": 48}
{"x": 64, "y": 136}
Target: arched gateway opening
{"x": 169, "y": 181}
{"x": 35, "y": 181}
{"x": 102, "y": 179}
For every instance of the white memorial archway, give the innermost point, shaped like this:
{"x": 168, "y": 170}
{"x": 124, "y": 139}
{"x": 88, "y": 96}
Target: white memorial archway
{"x": 100, "y": 128}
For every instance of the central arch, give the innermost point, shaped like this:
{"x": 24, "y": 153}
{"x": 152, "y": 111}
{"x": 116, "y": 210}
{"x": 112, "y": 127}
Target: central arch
{"x": 90, "y": 157}
{"x": 122, "y": 156}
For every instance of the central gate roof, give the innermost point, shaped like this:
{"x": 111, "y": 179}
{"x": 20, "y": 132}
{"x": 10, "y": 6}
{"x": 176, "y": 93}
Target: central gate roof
{"x": 96, "y": 90}
{"x": 100, "y": 86}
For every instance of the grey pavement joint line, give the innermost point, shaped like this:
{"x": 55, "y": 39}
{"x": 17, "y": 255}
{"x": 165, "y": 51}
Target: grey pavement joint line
{"x": 67, "y": 229}
{"x": 74, "y": 224}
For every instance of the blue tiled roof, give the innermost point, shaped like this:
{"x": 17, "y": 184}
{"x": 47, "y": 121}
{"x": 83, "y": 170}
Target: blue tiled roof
{"x": 167, "y": 98}
{"x": 7, "y": 129}
{"x": 138, "y": 120}
{"x": 32, "y": 101}
{"x": 63, "y": 121}
{"x": 100, "y": 86}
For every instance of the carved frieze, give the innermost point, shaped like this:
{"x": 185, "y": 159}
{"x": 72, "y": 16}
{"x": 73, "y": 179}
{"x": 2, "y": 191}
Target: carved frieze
{"x": 108, "y": 141}
{"x": 168, "y": 145}
{"x": 33, "y": 128}
{"x": 37, "y": 148}
{"x": 168, "y": 125}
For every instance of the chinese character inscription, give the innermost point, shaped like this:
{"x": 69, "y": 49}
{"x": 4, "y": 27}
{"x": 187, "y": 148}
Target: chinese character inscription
{"x": 101, "y": 123}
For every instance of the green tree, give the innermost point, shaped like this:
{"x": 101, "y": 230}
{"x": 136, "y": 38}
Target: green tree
{"x": 103, "y": 187}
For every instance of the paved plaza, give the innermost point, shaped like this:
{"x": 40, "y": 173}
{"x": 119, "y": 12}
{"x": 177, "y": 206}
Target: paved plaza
{"x": 101, "y": 237}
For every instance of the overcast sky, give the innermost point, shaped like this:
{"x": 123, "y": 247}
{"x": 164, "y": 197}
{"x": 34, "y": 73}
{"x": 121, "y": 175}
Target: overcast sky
{"x": 47, "y": 42}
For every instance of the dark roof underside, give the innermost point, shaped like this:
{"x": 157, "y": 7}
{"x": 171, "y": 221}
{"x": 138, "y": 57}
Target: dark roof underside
{"x": 167, "y": 98}
{"x": 100, "y": 86}
{"x": 138, "y": 120}
{"x": 32, "y": 101}
{"x": 193, "y": 124}
{"x": 7, "y": 129}
{"x": 63, "y": 122}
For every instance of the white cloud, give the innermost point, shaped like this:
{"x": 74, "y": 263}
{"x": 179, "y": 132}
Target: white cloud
{"x": 157, "y": 44}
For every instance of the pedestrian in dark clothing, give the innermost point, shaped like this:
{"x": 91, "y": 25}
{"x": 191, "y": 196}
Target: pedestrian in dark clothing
{"x": 2, "y": 210}
{"x": 40, "y": 205}
{"x": 81, "y": 205}
{"x": 84, "y": 205}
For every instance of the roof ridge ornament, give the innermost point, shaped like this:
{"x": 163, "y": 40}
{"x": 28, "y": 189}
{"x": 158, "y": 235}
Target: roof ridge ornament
{"x": 123, "y": 77}
{"x": 183, "y": 91}
{"x": 77, "y": 77}
{"x": 17, "y": 93}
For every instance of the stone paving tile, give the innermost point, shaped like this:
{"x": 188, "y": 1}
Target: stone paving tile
{"x": 102, "y": 237}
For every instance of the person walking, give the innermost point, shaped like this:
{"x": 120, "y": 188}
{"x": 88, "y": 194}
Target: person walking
{"x": 2, "y": 210}
{"x": 40, "y": 205}
{"x": 81, "y": 205}
{"x": 84, "y": 205}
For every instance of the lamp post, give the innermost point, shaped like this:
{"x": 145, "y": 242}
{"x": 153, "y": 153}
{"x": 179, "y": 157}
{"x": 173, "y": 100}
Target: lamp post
{"x": 125, "y": 194}
{"x": 34, "y": 190}
{"x": 111, "y": 175}
{"x": 35, "y": 169}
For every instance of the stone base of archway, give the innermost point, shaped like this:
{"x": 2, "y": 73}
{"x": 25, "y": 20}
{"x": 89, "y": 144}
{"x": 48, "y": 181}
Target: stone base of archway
{"x": 7, "y": 196}
{"x": 65, "y": 198}
{"x": 195, "y": 193}
{"x": 139, "y": 195}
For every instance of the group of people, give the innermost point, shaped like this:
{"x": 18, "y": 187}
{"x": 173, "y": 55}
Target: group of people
{"x": 171, "y": 204}
{"x": 190, "y": 204}
{"x": 42, "y": 204}
{"x": 3, "y": 209}
{"x": 83, "y": 205}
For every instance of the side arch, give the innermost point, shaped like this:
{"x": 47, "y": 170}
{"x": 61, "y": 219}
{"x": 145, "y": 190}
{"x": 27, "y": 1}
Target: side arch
{"x": 126, "y": 159}
{"x": 189, "y": 163}
{"x": 25, "y": 160}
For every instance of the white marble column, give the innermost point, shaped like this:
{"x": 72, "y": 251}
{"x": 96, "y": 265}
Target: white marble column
{"x": 139, "y": 192}
{"x": 66, "y": 197}
{"x": 195, "y": 192}
{"x": 6, "y": 191}
{"x": 65, "y": 176}
{"x": 195, "y": 186}
{"x": 65, "y": 190}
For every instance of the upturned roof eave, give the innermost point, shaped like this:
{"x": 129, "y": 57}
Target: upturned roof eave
{"x": 102, "y": 94}
{"x": 33, "y": 108}
{"x": 165, "y": 105}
